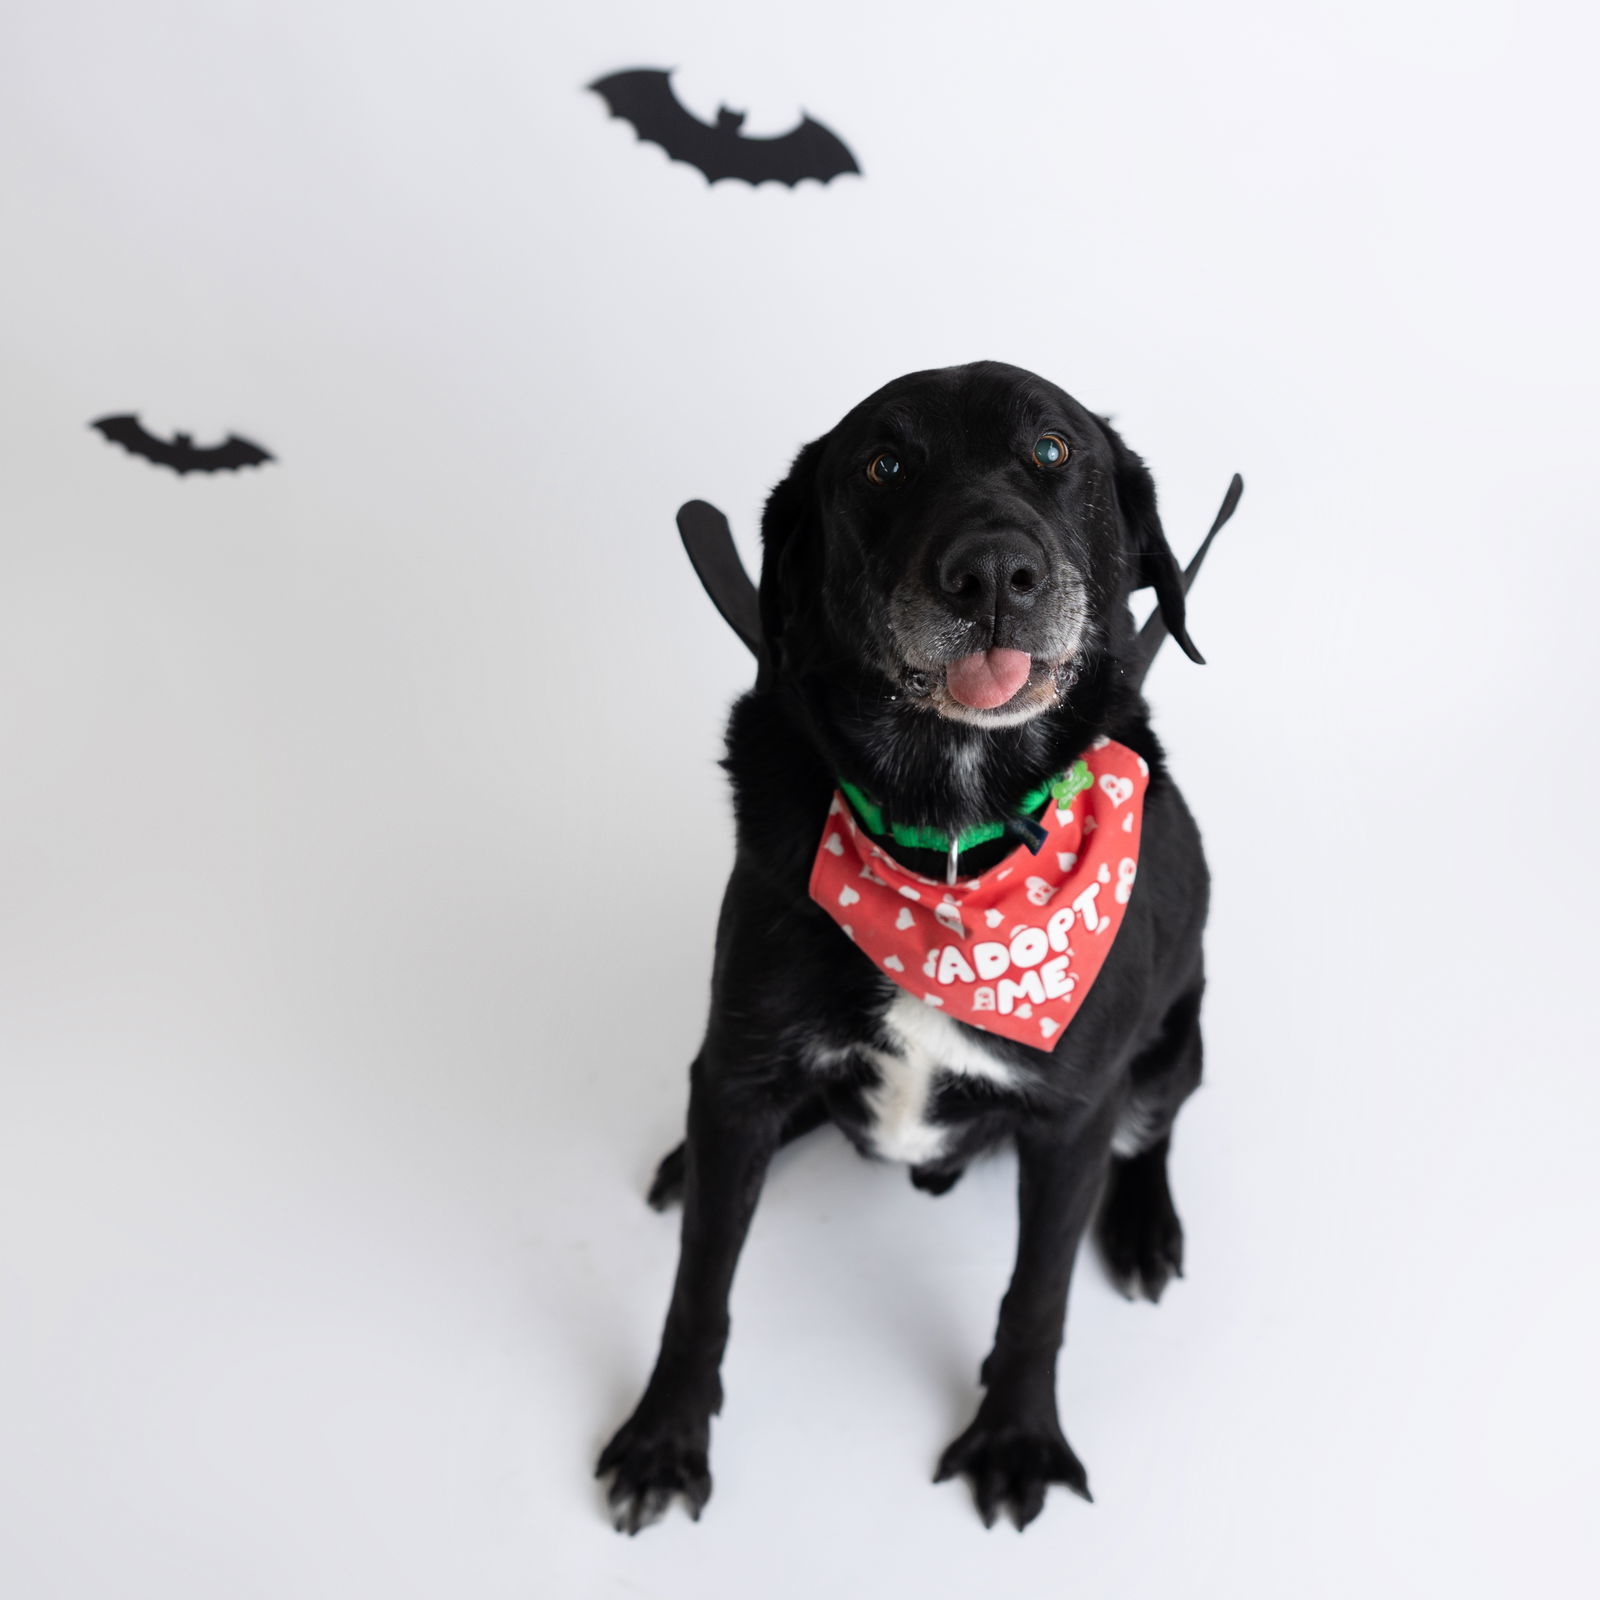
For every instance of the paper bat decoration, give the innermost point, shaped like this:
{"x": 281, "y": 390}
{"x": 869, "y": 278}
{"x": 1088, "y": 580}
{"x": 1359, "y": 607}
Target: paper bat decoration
{"x": 645, "y": 99}
{"x": 180, "y": 452}
{"x": 709, "y": 542}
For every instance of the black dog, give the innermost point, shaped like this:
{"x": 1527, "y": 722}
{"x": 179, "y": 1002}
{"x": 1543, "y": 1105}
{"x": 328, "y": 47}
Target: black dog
{"x": 944, "y": 624}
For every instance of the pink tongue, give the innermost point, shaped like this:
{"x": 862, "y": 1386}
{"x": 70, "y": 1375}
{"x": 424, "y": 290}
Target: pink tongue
{"x": 989, "y": 678}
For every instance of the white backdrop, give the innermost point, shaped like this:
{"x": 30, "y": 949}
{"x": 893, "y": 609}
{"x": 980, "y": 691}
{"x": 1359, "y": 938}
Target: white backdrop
{"x": 324, "y": 1136}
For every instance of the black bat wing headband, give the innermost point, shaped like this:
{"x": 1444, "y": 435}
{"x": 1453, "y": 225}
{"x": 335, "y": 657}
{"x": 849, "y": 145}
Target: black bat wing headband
{"x": 180, "y": 452}
{"x": 709, "y": 541}
{"x": 644, "y": 98}
{"x": 1155, "y": 629}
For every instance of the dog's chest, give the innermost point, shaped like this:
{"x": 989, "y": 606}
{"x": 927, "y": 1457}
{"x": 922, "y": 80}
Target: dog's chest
{"x": 924, "y": 1050}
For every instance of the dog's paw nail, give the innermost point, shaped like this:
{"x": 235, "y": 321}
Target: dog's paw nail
{"x": 651, "y": 1463}
{"x": 1011, "y": 1464}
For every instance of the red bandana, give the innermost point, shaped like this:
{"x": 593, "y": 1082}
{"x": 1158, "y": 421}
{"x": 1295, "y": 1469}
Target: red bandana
{"x": 1015, "y": 951}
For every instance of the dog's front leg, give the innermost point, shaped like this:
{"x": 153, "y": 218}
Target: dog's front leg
{"x": 661, "y": 1449}
{"x": 1015, "y": 1449}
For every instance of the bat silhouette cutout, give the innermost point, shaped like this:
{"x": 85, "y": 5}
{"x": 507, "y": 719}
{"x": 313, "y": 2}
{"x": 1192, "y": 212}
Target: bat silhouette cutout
{"x": 644, "y": 98}
{"x": 180, "y": 451}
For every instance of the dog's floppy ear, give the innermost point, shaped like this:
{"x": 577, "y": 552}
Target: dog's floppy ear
{"x": 789, "y": 552}
{"x": 1150, "y": 556}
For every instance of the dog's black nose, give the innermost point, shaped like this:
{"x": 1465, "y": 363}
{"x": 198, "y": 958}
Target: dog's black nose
{"x": 986, "y": 574}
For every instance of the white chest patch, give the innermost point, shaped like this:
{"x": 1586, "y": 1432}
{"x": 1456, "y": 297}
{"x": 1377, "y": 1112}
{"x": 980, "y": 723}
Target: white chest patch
{"x": 924, "y": 1042}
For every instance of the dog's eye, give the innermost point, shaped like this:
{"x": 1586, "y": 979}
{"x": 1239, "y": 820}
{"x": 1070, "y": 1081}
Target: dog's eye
{"x": 884, "y": 468}
{"x": 1049, "y": 451}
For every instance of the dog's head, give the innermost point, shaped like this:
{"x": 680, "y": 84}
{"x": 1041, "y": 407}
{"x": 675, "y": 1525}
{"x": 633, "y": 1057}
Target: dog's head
{"x": 969, "y": 536}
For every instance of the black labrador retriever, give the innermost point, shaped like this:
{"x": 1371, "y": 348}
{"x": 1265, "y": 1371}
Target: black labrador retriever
{"x": 944, "y": 628}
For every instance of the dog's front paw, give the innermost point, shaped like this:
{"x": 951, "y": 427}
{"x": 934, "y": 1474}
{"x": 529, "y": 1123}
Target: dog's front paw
{"x": 650, "y": 1462}
{"x": 1011, "y": 1463}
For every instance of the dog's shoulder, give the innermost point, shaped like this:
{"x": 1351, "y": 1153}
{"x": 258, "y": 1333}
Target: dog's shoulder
{"x": 781, "y": 790}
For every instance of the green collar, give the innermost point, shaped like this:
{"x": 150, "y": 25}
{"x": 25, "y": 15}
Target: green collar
{"x": 1061, "y": 788}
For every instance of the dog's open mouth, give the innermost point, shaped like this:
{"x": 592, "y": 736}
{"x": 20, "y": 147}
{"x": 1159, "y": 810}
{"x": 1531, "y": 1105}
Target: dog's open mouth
{"x": 993, "y": 688}
{"x": 986, "y": 679}
{"x": 1031, "y": 661}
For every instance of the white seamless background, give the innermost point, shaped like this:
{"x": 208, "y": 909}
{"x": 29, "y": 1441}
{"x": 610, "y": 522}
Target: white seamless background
{"x": 361, "y": 836}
